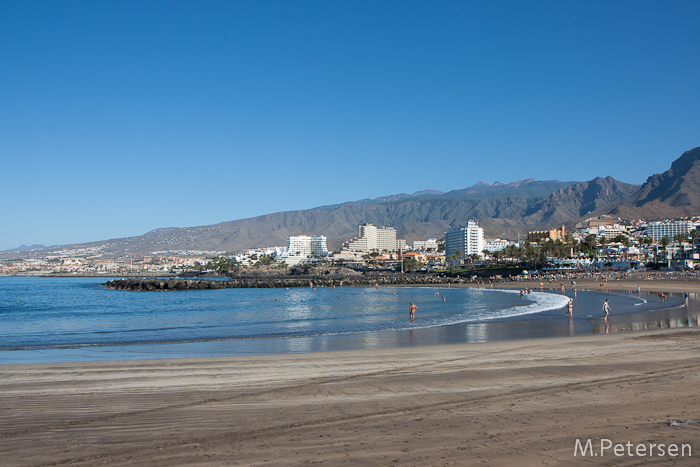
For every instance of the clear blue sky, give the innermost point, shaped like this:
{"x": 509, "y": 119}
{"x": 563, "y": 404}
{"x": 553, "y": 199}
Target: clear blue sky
{"x": 120, "y": 117}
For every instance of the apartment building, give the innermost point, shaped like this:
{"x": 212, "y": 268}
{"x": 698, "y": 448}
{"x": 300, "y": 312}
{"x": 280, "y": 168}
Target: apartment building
{"x": 302, "y": 247}
{"x": 429, "y": 244}
{"x": 657, "y": 230}
{"x": 467, "y": 239}
{"x": 371, "y": 238}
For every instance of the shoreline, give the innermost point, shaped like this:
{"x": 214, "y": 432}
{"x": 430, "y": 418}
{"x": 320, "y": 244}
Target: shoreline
{"x": 587, "y": 320}
{"x": 524, "y": 402}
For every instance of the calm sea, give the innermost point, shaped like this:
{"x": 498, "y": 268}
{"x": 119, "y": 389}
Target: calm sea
{"x": 76, "y": 319}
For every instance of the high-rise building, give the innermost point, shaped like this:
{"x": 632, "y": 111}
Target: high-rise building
{"x": 465, "y": 239}
{"x": 658, "y": 230}
{"x": 371, "y": 238}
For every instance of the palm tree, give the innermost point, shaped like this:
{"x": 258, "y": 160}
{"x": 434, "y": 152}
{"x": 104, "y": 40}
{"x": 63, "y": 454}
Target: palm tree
{"x": 641, "y": 241}
{"x": 648, "y": 241}
{"x": 451, "y": 259}
{"x": 602, "y": 241}
{"x": 512, "y": 252}
{"x": 692, "y": 235}
{"x": 665, "y": 240}
{"x": 590, "y": 242}
{"x": 680, "y": 238}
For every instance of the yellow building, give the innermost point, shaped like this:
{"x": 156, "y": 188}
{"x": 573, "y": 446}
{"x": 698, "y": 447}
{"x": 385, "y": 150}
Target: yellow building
{"x": 553, "y": 235}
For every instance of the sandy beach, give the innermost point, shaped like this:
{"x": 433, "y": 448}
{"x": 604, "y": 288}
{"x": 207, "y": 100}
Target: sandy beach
{"x": 500, "y": 403}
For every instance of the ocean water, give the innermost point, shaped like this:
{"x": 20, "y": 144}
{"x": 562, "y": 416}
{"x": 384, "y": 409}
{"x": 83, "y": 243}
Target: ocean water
{"x": 76, "y": 319}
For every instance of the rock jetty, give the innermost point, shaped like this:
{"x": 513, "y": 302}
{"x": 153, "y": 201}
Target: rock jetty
{"x": 155, "y": 284}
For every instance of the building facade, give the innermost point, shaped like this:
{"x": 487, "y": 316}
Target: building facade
{"x": 465, "y": 239}
{"x": 301, "y": 248}
{"x": 658, "y": 230}
{"x": 429, "y": 244}
{"x": 497, "y": 244}
{"x": 553, "y": 235}
{"x": 371, "y": 238}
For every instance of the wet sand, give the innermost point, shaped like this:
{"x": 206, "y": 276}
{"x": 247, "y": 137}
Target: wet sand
{"x": 518, "y": 402}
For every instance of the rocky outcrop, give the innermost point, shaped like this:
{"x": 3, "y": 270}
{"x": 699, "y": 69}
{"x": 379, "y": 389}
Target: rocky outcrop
{"x": 155, "y": 284}
{"x": 674, "y": 193}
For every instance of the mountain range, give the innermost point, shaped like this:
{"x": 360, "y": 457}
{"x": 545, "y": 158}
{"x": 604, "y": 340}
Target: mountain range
{"x": 503, "y": 210}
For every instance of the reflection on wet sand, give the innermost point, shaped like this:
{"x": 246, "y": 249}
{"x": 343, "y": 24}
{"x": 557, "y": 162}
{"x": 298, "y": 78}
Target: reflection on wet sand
{"x": 646, "y": 325}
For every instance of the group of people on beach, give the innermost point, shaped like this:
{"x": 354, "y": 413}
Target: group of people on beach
{"x": 570, "y": 306}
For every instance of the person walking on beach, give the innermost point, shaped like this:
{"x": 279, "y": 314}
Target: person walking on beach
{"x": 412, "y": 311}
{"x": 606, "y": 308}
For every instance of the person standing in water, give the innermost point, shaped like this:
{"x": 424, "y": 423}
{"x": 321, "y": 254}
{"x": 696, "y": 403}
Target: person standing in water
{"x": 412, "y": 311}
{"x": 606, "y": 308}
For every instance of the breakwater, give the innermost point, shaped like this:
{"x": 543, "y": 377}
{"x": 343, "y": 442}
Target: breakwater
{"x": 155, "y": 284}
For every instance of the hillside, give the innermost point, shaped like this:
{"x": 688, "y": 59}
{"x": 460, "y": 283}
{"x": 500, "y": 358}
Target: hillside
{"x": 511, "y": 211}
{"x": 674, "y": 193}
{"x": 503, "y": 210}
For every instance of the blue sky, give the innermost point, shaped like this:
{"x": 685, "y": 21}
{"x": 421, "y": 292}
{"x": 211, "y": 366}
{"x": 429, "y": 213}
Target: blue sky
{"x": 120, "y": 117}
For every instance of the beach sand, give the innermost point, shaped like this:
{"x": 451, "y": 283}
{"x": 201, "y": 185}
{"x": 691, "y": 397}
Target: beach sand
{"x": 501, "y": 403}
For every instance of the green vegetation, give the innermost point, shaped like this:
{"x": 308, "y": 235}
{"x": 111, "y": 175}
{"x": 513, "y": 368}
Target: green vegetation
{"x": 410, "y": 264}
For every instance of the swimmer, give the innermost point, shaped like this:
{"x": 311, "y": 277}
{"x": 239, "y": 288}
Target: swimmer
{"x": 443, "y": 298}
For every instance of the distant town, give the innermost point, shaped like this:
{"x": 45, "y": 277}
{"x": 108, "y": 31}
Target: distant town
{"x": 601, "y": 243}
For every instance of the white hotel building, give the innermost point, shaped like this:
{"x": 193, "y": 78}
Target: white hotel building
{"x": 497, "y": 244}
{"x": 468, "y": 239}
{"x": 300, "y": 248}
{"x": 657, "y": 230}
{"x": 429, "y": 244}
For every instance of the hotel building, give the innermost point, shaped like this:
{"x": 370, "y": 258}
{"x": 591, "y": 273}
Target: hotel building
{"x": 468, "y": 239}
{"x": 302, "y": 247}
{"x": 657, "y": 230}
{"x": 372, "y": 238}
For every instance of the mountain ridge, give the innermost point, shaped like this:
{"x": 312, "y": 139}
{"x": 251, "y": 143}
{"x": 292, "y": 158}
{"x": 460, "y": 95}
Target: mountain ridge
{"x": 503, "y": 210}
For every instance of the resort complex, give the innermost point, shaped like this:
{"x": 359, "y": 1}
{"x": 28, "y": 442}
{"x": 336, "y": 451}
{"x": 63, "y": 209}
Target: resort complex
{"x": 597, "y": 243}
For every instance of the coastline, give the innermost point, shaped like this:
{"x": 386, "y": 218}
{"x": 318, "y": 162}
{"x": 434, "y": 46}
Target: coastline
{"x": 524, "y": 401}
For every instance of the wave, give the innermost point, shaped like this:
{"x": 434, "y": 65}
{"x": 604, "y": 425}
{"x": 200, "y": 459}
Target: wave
{"x": 542, "y": 302}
